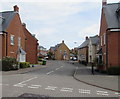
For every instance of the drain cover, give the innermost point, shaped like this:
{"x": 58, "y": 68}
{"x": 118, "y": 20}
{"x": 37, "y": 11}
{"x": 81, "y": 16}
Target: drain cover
{"x": 33, "y": 96}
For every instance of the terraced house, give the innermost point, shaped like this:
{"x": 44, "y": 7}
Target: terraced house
{"x": 110, "y": 34}
{"x": 13, "y": 37}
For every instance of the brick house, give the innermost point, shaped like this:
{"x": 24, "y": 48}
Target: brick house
{"x": 61, "y": 51}
{"x": 12, "y": 35}
{"x": 110, "y": 34}
{"x": 83, "y": 51}
{"x": 42, "y": 52}
{"x": 31, "y": 44}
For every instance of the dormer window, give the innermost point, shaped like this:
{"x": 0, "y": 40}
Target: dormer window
{"x": 118, "y": 11}
{"x": 1, "y": 20}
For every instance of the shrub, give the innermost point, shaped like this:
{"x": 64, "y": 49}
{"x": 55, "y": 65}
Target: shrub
{"x": 9, "y": 63}
{"x": 24, "y": 64}
{"x": 114, "y": 70}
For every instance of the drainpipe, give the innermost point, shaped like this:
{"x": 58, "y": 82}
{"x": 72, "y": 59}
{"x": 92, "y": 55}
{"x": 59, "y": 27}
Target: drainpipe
{"x": 6, "y": 41}
{"x": 106, "y": 49}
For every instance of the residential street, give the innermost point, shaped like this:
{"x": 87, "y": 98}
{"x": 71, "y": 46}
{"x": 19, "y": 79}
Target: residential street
{"x": 54, "y": 80}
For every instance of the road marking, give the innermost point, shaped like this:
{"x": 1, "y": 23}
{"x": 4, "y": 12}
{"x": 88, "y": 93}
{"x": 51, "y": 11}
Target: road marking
{"x": 19, "y": 85}
{"x": 57, "y": 68}
{"x": 117, "y": 93}
{"x": 105, "y": 93}
{"x": 84, "y": 91}
{"x": 34, "y": 86}
{"x": 49, "y": 72}
{"x": 67, "y": 89}
{"x": 50, "y": 88}
{"x": 27, "y": 80}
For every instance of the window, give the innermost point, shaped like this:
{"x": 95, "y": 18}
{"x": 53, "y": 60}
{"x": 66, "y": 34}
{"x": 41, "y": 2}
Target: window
{"x": 60, "y": 51}
{"x": 104, "y": 39}
{"x": 12, "y": 39}
{"x": 19, "y": 41}
{"x": 101, "y": 40}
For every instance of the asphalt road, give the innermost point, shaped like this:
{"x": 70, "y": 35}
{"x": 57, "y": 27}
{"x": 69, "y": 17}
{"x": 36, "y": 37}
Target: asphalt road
{"x": 55, "y": 80}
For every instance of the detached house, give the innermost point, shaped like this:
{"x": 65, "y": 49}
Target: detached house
{"x": 31, "y": 45}
{"x": 61, "y": 51}
{"x": 12, "y": 35}
{"x": 15, "y": 39}
{"x": 93, "y": 48}
{"x": 83, "y": 51}
{"x": 110, "y": 34}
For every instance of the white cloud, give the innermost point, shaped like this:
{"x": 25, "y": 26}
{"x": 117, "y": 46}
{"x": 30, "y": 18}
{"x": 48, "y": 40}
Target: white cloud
{"x": 89, "y": 31}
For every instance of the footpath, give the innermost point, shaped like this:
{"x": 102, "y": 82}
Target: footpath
{"x": 25, "y": 70}
{"x": 84, "y": 74}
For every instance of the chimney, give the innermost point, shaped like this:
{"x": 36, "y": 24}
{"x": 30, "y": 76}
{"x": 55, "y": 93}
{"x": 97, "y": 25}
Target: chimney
{"x": 104, "y": 2}
{"x": 16, "y": 8}
{"x": 24, "y": 25}
{"x": 62, "y": 41}
{"x": 86, "y": 37}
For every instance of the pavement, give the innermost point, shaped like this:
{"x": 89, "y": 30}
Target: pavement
{"x": 83, "y": 74}
{"x": 24, "y": 70}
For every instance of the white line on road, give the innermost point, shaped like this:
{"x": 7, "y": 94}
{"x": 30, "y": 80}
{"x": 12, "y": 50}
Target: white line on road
{"x": 34, "y": 86}
{"x": 57, "y": 68}
{"x": 50, "y": 88}
{"x": 49, "y": 72}
{"x": 84, "y": 91}
{"x": 67, "y": 89}
{"x": 117, "y": 93}
{"x": 105, "y": 93}
{"x": 19, "y": 85}
{"x": 27, "y": 80}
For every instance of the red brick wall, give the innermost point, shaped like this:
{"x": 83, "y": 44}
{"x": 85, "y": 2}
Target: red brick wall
{"x": 113, "y": 44}
{"x": 31, "y": 47}
{"x": 113, "y": 49}
{"x": 0, "y": 46}
{"x": 119, "y": 48}
{"x": 14, "y": 28}
{"x": 103, "y": 28}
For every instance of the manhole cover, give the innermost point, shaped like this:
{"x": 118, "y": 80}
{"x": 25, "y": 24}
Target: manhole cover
{"x": 33, "y": 96}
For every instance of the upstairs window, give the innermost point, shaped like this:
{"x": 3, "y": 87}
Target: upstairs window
{"x": 19, "y": 41}
{"x": 12, "y": 39}
{"x": 104, "y": 39}
{"x": 60, "y": 51}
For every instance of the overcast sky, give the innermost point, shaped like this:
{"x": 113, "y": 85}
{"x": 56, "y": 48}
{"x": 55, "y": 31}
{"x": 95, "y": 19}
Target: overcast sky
{"x": 55, "y": 20}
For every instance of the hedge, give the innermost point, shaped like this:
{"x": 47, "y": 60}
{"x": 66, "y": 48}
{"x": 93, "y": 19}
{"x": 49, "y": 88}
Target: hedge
{"x": 9, "y": 63}
{"x": 24, "y": 64}
{"x": 114, "y": 70}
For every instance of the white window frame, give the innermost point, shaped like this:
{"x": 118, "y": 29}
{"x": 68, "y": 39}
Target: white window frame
{"x": 104, "y": 38}
{"x": 19, "y": 41}
{"x": 101, "y": 40}
{"x": 12, "y": 37}
{"x": 60, "y": 51}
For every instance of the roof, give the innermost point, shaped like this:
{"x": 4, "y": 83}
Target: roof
{"x": 112, "y": 14}
{"x": 99, "y": 51}
{"x": 7, "y": 16}
{"x": 94, "y": 40}
{"x": 21, "y": 51}
{"x": 84, "y": 44}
